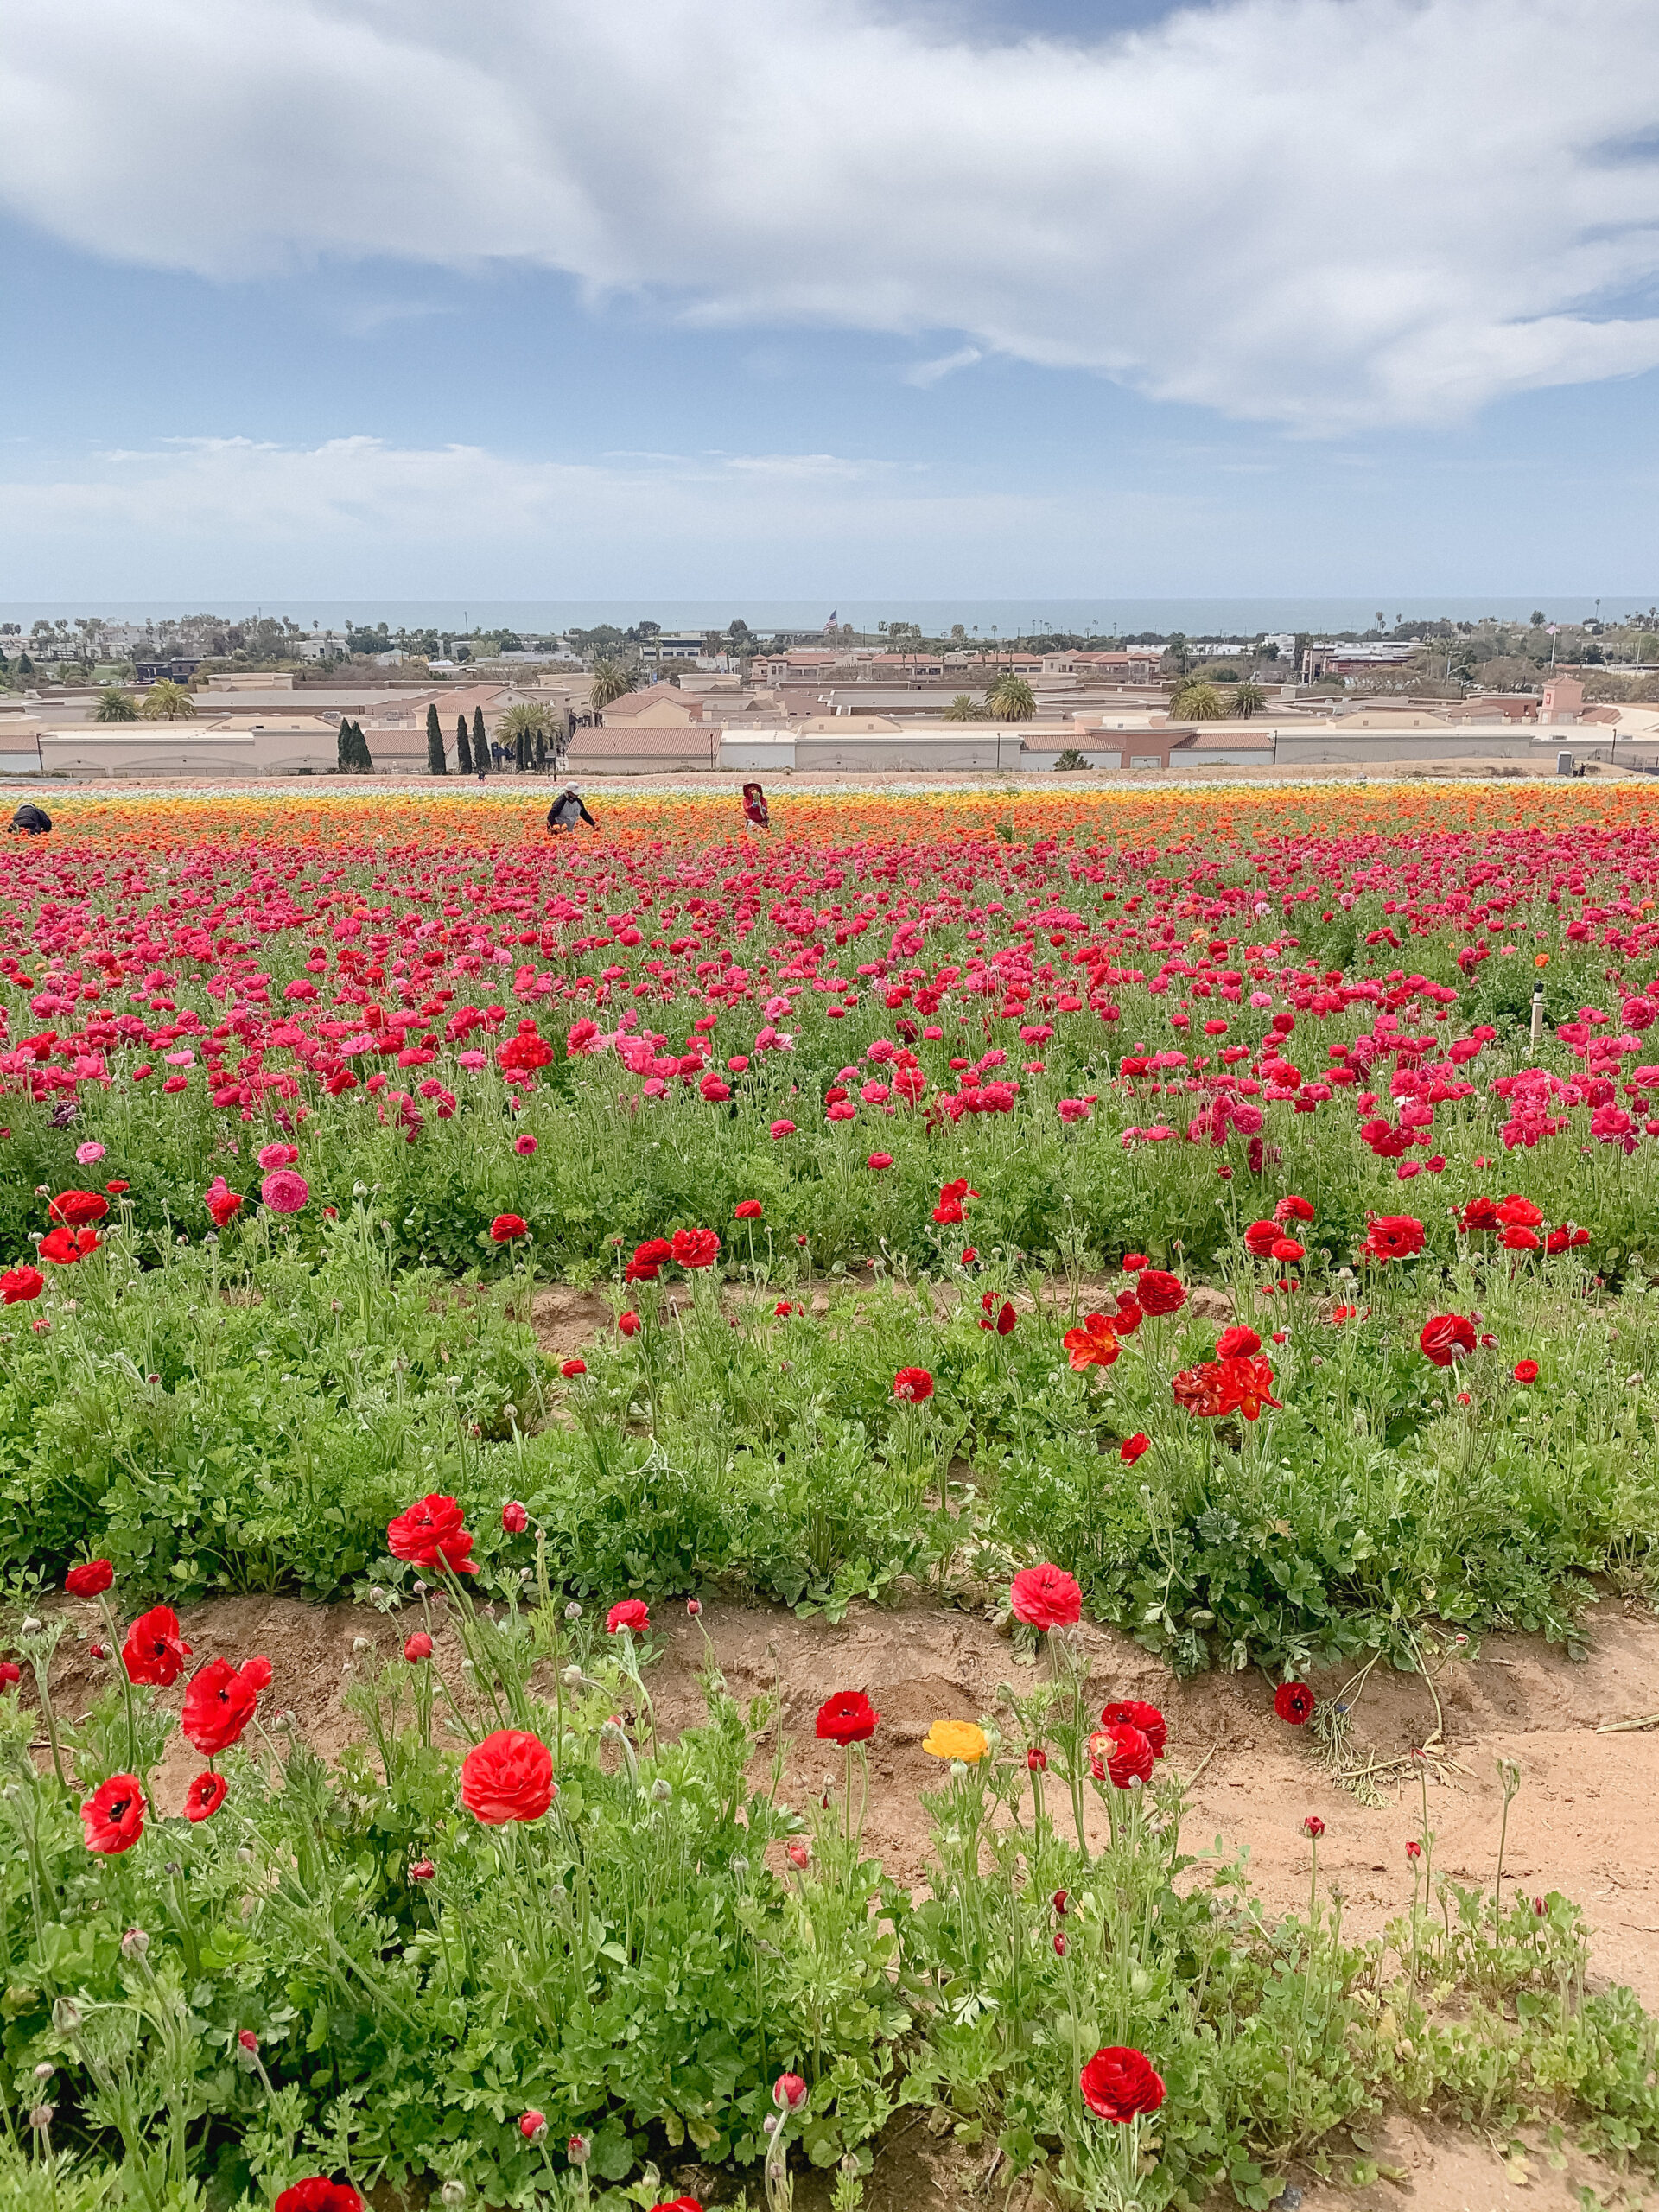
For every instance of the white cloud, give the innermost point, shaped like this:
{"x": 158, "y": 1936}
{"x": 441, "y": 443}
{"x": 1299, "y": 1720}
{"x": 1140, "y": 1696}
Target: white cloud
{"x": 367, "y": 515}
{"x": 925, "y": 374}
{"x": 1320, "y": 212}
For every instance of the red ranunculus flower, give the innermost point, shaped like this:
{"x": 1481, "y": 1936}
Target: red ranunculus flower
{"x": 847, "y": 1718}
{"x": 1120, "y": 2084}
{"x": 19, "y": 1285}
{"x": 256, "y": 1672}
{"x": 218, "y": 1706}
{"x": 748, "y": 1210}
{"x": 204, "y": 1796}
{"x": 223, "y": 1202}
{"x": 509, "y": 1776}
{"x": 67, "y": 1248}
{"x": 1261, "y": 1238}
{"x": 1238, "y": 1343}
{"x": 1479, "y": 1216}
{"x": 1293, "y": 1701}
{"x": 431, "y": 1530}
{"x": 507, "y": 1228}
{"x": 1394, "y": 1236}
{"x": 77, "y": 1208}
{"x": 515, "y": 1518}
{"x": 1447, "y": 1336}
{"x": 113, "y": 1816}
{"x": 1516, "y": 1212}
{"x": 418, "y": 1647}
{"x": 1159, "y": 1293}
{"x": 1094, "y": 1344}
{"x": 10, "y": 1674}
{"x": 1526, "y": 1370}
{"x": 89, "y": 1580}
{"x": 1122, "y": 1751}
{"x": 319, "y": 2195}
{"x": 1132, "y": 1446}
{"x": 155, "y": 1652}
{"x": 696, "y": 1247}
{"x": 1139, "y": 1714}
{"x": 913, "y": 1384}
{"x": 678, "y": 2204}
{"x": 631, "y": 1613}
{"x": 649, "y": 1260}
{"x": 1045, "y": 1598}
{"x": 628, "y": 1324}
{"x": 571, "y": 1368}
{"x": 1293, "y": 1209}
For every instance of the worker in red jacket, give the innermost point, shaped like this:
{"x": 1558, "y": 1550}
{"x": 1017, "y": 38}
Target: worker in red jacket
{"x": 754, "y": 807}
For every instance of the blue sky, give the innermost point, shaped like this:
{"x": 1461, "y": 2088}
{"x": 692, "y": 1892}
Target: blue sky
{"x": 1274, "y": 296}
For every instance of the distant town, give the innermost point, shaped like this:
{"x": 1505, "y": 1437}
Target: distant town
{"x": 209, "y": 698}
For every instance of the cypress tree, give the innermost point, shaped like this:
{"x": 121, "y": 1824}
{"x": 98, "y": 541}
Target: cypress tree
{"x": 522, "y": 750}
{"x": 436, "y": 764}
{"x": 463, "y": 749}
{"x": 360, "y": 746}
{"x": 345, "y": 759}
{"x": 480, "y": 740}
{"x": 540, "y": 748}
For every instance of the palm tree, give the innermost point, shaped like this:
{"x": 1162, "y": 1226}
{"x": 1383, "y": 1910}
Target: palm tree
{"x": 1011, "y": 699}
{"x": 115, "y": 705}
{"x": 527, "y": 719}
{"x": 166, "y": 702}
{"x": 964, "y": 709}
{"x": 1197, "y": 702}
{"x": 1247, "y": 700}
{"x": 611, "y": 680}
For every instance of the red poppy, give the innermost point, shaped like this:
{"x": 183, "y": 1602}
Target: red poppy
{"x": 913, "y": 1384}
{"x": 1094, "y": 1344}
{"x": 1526, "y": 1370}
{"x": 319, "y": 2195}
{"x": 507, "y": 1228}
{"x": 696, "y": 1247}
{"x": 204, "y": 1796}
{"x": 77, "y": 1208}
{"x": 89, "y": 1580}
{"x": 1132, "y": 1446}
{"x": 509, "y": 1776}
{"x": 1447, "y": 1336}
{"x": 1159, "y": 1293}
{"x": 748, "y": 1210}
{"x": 155, "y": 1652}
{"x": 431, "y": 1530}
{"x": 1294, "y": 1702}
{"x": 218, "y": 1706}
{"x": 256, "y": 1672}
{"x": 631, "y": 1613}
{"x": 951, "y": 1195}
{"x": 1045, "y": 1598}
{"x": 19, "y": 1285}
{"x": 1394, "y": 1236}
{"x": 847, "y": 1718}
{"x": 1120, "y": 2084}
{"x": 1139, "y": 1714}
{"x": 113, "y": 1816}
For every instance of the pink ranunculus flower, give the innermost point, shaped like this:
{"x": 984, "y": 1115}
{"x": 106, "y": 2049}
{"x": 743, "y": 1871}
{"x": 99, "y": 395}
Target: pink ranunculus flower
{"x": 283, "y": 1192}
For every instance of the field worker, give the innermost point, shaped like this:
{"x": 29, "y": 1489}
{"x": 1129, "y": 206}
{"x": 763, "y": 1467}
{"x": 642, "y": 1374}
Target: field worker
{"x": 568, "y": 810}
{"x": 755, "y": 812}
{"x": 31, "y": 821}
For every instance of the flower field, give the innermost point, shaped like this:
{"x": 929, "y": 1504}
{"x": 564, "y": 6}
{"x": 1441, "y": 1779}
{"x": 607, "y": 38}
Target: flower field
{"x": 1224, "y": 1216}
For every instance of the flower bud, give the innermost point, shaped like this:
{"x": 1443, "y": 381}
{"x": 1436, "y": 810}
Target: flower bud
{"x": 454, "y": 2193}
{"x": 44, "y": 2071}
{"x": 362, "y": 1644}
{"x": 248, "y": 2040}
{"x": 577, "y": 2150}
{"x": 134, "y": 1944}
{"x": 789, "y": 2093}
{"x": 573, "y": 1610}
{"x": 418, "y": 1647}
{"x": 66, "y": 2015}
{"x": 661, "y": 1791}
{"x": 533, "y": 2127}
{"x": 421, "y": 1870}
{"x": 40, "y": 2117}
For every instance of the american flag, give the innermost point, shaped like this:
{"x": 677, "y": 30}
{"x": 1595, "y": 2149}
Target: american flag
{"x": 830, "y": 624}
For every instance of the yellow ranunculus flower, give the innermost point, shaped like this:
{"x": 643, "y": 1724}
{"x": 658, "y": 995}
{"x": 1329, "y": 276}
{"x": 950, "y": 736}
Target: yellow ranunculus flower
{"x": 956, "y": 1739}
